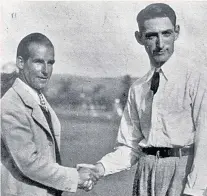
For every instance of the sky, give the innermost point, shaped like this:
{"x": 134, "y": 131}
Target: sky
{"x": 96, "y": 38}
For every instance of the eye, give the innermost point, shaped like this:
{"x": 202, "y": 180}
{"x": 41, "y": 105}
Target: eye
{"x": 51, "y": 62}
{"x": 150, "y": 36}
{"x": 38, "y": 61}
{"x": 167, "y": 33}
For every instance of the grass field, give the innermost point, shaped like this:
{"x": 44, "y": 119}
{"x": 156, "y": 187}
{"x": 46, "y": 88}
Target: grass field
{"x": 86, "y": 140}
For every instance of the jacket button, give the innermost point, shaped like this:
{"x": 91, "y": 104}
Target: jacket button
{"x": 50, "y": 143}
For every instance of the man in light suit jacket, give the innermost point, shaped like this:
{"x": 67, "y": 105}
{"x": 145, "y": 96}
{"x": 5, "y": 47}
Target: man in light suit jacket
{"x": 30, "y": 136}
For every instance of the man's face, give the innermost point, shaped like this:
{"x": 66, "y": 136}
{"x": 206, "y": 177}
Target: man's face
{"x": 158, "y": 36}
{"x": 37, "y": 70}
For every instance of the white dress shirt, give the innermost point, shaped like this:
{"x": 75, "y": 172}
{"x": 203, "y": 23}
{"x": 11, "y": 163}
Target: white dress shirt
{"x": 176, "y": 116}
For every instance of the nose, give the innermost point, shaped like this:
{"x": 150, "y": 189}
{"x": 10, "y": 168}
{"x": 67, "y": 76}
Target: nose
{"x": 45, "y": 69}
{"x": 160, "y": 43}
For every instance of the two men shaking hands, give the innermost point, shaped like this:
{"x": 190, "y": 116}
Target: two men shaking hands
{"x": 163, "y": 127}
{"x": 89, "y": 174}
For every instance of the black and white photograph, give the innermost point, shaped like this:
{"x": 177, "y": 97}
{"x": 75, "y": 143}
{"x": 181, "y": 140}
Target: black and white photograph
{"x": 103, "y": 98}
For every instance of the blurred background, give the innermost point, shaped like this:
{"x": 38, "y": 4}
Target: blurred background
{"x": 97, "y": 59}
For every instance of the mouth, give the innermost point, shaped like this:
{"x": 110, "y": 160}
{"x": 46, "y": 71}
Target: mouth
{"x": 43, "y": 78}
{"x": 161, "y": 52}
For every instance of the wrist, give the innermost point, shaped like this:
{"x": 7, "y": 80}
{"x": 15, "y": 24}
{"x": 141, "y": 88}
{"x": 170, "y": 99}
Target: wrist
{"x": 100, "y": 168}
{"x": 80, "y": 182}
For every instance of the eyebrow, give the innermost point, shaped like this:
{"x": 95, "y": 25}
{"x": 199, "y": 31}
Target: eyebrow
{"x": 38, "y": 60}
{"x": 168, "y": 30}
{"x": 42, "y": 61}
{"x": 155, "y": 33}
{"x": 150, "y": 34}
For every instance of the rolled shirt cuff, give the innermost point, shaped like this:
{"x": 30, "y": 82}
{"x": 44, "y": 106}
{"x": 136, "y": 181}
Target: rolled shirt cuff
{"x": 109, "y": 168}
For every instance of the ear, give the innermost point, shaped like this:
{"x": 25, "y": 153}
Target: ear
{"x": 138, "y": 37}
{"x": 20, "y": 62}
{"x": 177, "y": 31}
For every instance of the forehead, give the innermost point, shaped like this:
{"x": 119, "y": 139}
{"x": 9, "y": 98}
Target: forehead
{"x": 157, "y": 24}
{"x": 38, "y": 50}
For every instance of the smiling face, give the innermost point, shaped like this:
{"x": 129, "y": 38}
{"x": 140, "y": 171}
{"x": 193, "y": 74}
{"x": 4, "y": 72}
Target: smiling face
{"x": 158, "y": 36}
{"x": 37, "y": 69}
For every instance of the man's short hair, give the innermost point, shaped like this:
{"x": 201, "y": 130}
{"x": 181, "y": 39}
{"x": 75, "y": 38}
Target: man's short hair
{"x": 155, "y": 10}
{"x": 38, "y": 38}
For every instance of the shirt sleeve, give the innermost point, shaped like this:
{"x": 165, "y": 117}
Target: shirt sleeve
{"x": 197, "y": 179}
{"x": 127, "y": 149}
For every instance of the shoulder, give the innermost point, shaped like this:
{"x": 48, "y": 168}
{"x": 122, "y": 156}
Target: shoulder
{"x": 140, "y": 82}
{"x": 13, "y": 112}
{"x": 11, "y": 101}
{"x": 9, "y": 96}
{"x": 196, "y": 68}
{"x": 191, "y": 70}
{"x": 197, "y": 80}
{"x": 197, "y": 75}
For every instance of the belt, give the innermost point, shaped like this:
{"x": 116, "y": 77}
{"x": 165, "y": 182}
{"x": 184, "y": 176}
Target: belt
{"x": 168, "y": 152}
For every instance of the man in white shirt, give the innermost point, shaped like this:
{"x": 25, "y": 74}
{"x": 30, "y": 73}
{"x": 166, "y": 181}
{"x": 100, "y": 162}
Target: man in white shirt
{"x": 164, "y": 124}
{"x": 30, "y": 134}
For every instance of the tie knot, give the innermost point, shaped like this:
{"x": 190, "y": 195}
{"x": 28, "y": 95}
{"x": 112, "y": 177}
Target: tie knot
{"x": 155, "y": 82}
{"x": 42, "y": 101}
{"x": 156, "y": 74}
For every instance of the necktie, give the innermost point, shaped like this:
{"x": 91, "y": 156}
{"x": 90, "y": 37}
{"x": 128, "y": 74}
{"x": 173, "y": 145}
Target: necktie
{"x": 42, "y": 101}
{"x": 155, "y": 82}
{"x": 49, "y": 121}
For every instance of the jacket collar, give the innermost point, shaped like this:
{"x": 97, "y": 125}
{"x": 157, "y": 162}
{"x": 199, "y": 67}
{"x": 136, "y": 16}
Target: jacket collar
{"x": 29, "y": 101}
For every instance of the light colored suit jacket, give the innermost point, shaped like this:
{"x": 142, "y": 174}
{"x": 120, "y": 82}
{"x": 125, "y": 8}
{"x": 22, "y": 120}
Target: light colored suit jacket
{"x": 29, "y": 165}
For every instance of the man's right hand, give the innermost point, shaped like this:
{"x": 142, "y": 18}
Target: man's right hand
{"x": 87, "y": 177}
{"x": 98, "y": 168}
{"x": 90, "y": 175}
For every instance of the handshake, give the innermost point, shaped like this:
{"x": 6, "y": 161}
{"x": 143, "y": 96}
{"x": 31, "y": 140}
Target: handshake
{"x": 89, "y": 174}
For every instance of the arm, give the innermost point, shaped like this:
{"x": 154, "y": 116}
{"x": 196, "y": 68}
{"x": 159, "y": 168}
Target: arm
{"x": 31, "y": 162}
{"x": 197, "y": 179}
{"x": 129, "y": 136}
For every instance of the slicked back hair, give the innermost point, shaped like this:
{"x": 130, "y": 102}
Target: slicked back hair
{"x": 155, "y": 10}
{"x": 38, "y": 38}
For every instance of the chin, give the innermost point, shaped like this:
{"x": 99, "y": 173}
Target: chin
{"x": 39, "y": 88}
{"x": 160, "y": 60}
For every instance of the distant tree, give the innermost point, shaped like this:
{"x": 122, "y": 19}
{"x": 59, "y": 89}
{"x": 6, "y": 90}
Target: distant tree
{"x": 96, "y": 94}
{"x": 100, "y": 98}
{"x": 97, "y": 89}
{"x": 7, "y": 80}
{"x": 65, "y": 86}
{"x": 9, "y": 73}
{"x": 58, "y": 90}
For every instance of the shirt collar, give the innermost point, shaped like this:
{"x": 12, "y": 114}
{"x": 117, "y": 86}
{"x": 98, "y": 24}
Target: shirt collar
{"x": 168, "y": 67}
{"x": 30, "y": 90}
{"x": 149, "y": 74}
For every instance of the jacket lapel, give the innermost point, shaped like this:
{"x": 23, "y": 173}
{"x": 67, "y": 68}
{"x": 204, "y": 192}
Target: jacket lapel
{"x": 55, "y": 120}
{"x": 29, "y": 101}
{"x": 38, "y": 115}
{"x": 55, "y": 124}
